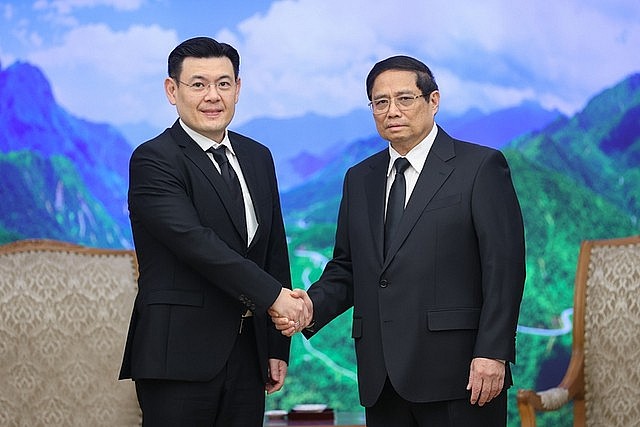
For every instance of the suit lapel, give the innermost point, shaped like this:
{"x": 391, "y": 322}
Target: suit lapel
{"x": 435, "y": 172}
{"x": 202, "y": 161}
{"x": 375, "y": 187}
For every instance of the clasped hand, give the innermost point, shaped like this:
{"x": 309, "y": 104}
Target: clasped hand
{"x": 292, "y": 311}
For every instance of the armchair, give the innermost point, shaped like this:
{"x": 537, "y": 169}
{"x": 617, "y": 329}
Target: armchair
{"x": 603, "y": 376}
{"x": 64, "y": 311}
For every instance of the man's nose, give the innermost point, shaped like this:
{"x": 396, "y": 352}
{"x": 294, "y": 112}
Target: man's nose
{"x": 393, "y": 111}
{"x": 211, "y": 92}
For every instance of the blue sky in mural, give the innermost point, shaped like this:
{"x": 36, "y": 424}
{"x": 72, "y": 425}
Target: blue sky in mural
{"x": 106, "y": 59}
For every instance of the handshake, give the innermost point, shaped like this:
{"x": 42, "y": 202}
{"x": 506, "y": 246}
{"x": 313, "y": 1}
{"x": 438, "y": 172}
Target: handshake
{"x": 292, "y": 311}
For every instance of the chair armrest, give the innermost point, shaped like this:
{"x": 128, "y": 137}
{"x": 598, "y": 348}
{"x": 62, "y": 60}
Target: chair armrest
{"x": 530, "y": 401}
{"x": 570, "y": 389}
{"x": 547, "y": 400}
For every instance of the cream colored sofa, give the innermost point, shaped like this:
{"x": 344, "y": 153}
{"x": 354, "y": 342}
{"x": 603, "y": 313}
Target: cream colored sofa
{"x": 64, "y": 312}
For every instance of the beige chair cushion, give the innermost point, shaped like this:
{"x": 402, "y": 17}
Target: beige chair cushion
{"x": 64, "y": 312}
{"x": 612, "y": 337}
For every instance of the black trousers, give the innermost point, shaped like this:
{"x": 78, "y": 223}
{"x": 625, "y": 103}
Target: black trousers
{"x": 234, "y": 398}
{"x": 391, "y": 410}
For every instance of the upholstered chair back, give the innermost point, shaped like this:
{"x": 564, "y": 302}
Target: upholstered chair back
{"x": 612, "y": 336}
{"x": 64, "y": 311}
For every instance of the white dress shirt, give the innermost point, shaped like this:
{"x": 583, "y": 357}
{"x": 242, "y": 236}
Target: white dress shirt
{"x": 416, "y": 157}
{"x": 206, "y": 143}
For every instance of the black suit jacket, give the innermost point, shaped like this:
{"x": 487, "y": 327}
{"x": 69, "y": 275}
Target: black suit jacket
{"x": 451, "y": 285}
{"x": 197, "y": 277}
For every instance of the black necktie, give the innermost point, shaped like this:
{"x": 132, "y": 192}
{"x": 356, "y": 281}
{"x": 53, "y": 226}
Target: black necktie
{"x": 395, "y": 204}
{"x": 233, "y": 183}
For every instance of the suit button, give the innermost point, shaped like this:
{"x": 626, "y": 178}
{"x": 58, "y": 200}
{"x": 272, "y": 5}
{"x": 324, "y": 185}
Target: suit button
{"x": 384, "y": 283}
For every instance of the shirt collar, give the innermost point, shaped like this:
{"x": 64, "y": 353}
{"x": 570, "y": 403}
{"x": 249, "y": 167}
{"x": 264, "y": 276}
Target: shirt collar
{"x": 207, "y": 143}
{"x": 417, "y": 155}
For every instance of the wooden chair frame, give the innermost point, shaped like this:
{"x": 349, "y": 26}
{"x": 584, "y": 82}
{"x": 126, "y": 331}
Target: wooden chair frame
{"x": 60, "y": 246}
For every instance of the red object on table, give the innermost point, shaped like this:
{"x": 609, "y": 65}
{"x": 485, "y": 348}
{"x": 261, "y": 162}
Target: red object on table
{"x": 325, "y": 415}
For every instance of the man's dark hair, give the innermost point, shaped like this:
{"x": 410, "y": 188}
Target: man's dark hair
{"x": 201, "y": 47}
{"x": 424, "y": 77}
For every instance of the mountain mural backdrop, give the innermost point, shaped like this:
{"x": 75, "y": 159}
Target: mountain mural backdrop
{"x": 60, "y": 177}
{"x": 577, "y": 178}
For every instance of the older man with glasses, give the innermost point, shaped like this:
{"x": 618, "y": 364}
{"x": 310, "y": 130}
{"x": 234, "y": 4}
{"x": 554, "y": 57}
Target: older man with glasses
{"x": 429, "y": 253}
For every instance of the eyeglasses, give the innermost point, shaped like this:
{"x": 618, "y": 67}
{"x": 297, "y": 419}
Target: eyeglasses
{"x": 204, "y": 86}
{"x": 403, "y": 102}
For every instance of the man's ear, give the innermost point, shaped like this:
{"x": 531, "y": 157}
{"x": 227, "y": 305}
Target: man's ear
{"x": 434, "y": 101}
{"x": 170, "y": 87}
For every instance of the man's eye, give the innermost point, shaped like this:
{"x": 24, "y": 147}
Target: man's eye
{"x": 381, "y": 102}
{"x": 198, "y": 85}
{"x": 405, "y": 98}
{"x": 224, "y": 84}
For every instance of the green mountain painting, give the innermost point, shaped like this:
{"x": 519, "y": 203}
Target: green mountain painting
{"x": 577, "y": 178}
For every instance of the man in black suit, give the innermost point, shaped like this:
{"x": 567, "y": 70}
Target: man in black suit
{"x": 210, "y": 241}
{"x": 433, "y": 268}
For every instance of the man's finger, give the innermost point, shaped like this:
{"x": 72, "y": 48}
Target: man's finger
{"x": 476, "y": 389}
